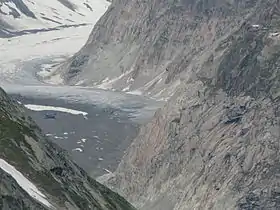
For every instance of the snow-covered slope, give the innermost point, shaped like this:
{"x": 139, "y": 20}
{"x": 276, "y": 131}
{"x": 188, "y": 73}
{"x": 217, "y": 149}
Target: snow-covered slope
{"x": 24, "y": 183}
{"x": 18, "y": 15}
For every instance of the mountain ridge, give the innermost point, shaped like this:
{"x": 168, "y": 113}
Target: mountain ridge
{"x": 141, "y": 48}
{"x": 17, "y": 16}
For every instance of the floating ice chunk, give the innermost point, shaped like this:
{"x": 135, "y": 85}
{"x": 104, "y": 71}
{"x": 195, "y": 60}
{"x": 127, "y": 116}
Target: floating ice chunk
{"x": 58, "y": 137}
{"x": 83, "y": 140}
{"x": 77, "y": 149}
{"x": 35, "y": 107}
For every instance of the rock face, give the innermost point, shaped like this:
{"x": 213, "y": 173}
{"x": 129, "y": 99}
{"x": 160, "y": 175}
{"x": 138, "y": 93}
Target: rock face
{"x": 63, "y": 184}
{"x": 148, "y": 45}
{"x": 215, "y": 144}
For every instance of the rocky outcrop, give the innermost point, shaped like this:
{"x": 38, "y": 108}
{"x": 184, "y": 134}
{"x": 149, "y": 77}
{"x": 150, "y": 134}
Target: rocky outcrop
{"x": 215, "y": 144}
{"x": 42, "y": 163}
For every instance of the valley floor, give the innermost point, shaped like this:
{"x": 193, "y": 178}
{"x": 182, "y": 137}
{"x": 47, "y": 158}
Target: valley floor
{"x": 97, "y": 141}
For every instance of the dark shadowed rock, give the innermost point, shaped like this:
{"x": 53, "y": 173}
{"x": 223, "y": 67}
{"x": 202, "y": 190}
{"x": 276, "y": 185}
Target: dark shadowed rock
{"x": 68, "y": 4}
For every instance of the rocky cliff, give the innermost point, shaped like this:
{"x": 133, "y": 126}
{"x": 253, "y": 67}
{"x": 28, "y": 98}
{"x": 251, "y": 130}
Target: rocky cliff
{"x": 36, "y": 174}
{"x": 146, "y": 46}
{"x": 215, "y": 145}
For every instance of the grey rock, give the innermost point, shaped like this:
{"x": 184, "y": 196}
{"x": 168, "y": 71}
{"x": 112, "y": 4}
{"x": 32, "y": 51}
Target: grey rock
{"x": 150, "y": 46}
{"x": 215, "y": 143}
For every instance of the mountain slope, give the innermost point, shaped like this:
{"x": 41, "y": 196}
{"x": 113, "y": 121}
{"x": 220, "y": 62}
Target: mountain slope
{"x": 147, "y": 46}
{"x": 18, "y": 16}
{"x": 215, "y": 145}
{"x": 36, "y": 174}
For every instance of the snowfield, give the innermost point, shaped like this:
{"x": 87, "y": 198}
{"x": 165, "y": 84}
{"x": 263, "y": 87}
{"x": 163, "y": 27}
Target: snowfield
{"x": 65, "y": 41}
{"x": 36, "y": 14}
{"x": 24, "y": 183}
{"x": 36, "y": 37}
{"x": 55, "y": 46}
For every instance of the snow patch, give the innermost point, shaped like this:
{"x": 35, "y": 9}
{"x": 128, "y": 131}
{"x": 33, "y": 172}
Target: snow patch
{"x": 274, "y": 34}
{"x": 135, "y": 92}
{"x": 34, "y": 107}
{"x": 80, "y": 83}
{"x": 109, "y": 172}
{"x": 126, "y": 88}
{"x": 107, "y": 83}
{"x": 24, "y": 183}
{"x": 154, "y": 81}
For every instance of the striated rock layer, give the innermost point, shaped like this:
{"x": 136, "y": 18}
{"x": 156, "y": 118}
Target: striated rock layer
{"x": 215, "y": 145}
